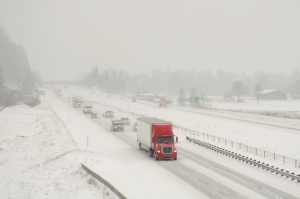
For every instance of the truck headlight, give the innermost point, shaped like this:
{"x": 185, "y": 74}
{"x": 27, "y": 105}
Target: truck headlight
{"x": 158, "y": 151}
{"x": 175, "y": 151}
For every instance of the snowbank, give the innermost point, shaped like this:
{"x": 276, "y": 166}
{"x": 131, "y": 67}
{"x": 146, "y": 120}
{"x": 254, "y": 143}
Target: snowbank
{"x": 38, "y": 158}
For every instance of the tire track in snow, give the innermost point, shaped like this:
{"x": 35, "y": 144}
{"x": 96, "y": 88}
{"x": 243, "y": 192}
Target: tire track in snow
{"x": 235, "y": 176}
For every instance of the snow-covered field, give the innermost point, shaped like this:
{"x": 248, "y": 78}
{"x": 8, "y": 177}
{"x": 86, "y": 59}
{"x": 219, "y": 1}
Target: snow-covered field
{"x": 251, "y": 104}
{"x": 289, "y": 108}
{"x": 39, "y": 159}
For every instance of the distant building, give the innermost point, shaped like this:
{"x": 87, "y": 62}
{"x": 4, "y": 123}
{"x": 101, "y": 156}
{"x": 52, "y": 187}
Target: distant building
{"x": 272, "y": 94}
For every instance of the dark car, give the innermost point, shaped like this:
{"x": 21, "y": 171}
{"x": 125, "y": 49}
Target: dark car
{"x": 108, "y": 114}
{"x": 87, "y": 109}
{"x": 125, "y": 120}
{"x": 94, "y": 115}
{"x": 117, "y": 125}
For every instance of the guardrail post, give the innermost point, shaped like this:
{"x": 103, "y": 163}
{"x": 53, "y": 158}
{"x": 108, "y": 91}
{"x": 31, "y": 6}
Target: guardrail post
{"x": 264, "y": 154}
{"x": 274, "y": 156}
{"x": 283, "y": 159}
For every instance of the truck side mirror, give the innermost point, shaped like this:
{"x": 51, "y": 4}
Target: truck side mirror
{"x": 176, "y": 139}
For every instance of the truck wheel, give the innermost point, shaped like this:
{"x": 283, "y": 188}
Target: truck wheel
{"x": 175, "y": 158}
{"x": 151, "y": 153}
{"x": 156, "y": 158}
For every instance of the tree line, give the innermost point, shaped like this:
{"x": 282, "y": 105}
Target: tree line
{"x": 16, "y": 79}
{"x": 206, "y": 81}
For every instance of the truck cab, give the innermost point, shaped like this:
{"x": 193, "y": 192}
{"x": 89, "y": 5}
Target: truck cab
{"x": 163, "y": 142}
{"x": 156, "y": 136}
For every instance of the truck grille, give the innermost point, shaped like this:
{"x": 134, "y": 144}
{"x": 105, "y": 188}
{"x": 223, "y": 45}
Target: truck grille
{"x": 167, "y": 150}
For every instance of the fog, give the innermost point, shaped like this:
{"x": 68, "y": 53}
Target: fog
{"x": 65, "y": 39}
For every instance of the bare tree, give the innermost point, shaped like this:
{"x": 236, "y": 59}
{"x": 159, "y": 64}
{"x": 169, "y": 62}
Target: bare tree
{"x": 238, "y": 89}
{"x": 257, "y": 90}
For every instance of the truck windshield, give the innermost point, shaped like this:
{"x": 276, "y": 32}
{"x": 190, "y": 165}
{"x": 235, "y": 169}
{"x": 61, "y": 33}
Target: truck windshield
{"x": 165, "y": 139}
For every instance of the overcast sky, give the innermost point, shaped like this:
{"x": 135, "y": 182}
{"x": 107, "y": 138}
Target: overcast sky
{"x": 65, "y": 38}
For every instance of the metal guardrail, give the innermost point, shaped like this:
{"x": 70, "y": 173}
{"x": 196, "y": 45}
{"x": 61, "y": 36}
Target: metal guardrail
{"x": 105, "y": 182}
{"x": 241, "y": 147}
{"x": 247, "y": 160}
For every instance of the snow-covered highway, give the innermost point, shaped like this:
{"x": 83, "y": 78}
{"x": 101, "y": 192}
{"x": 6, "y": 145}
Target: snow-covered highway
{"x": 207, "y": 175}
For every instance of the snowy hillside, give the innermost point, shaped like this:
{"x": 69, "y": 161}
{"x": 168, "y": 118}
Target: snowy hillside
{"x": 39, "y": 159}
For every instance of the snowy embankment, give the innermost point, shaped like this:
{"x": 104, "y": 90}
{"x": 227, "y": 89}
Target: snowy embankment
{"x": 39, "y": 159}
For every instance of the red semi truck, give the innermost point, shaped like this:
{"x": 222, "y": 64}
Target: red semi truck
{"x": 156, "y": 136}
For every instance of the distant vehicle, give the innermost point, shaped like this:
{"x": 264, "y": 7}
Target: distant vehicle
{"x": 164, "y": 102}
{"x": 87, "y": 108}
{"x": 117, "y": 125}
{"x": 135, "y": 127}
{"x": 156, "y": 136}
{"x": 108, "y": 114}
{"x": 125, "y": 120}
{"x": 77, "y": 102}
{"x": 94, "y": 115}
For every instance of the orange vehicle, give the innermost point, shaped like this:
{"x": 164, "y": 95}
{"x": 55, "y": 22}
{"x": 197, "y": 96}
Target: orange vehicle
{"x": 164, "y": 102}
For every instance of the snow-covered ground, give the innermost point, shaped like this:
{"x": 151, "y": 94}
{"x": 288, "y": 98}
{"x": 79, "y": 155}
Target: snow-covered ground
{"x": 197, "y": 172}
{"x": 289, "y": 108}
{"x": 39, "y": 159}
{"x": 250, "y": 104}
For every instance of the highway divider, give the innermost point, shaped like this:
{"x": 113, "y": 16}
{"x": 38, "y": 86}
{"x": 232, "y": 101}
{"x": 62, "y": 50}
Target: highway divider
{"x": 105, "y": 182}
{"x": 247, "y": 160}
